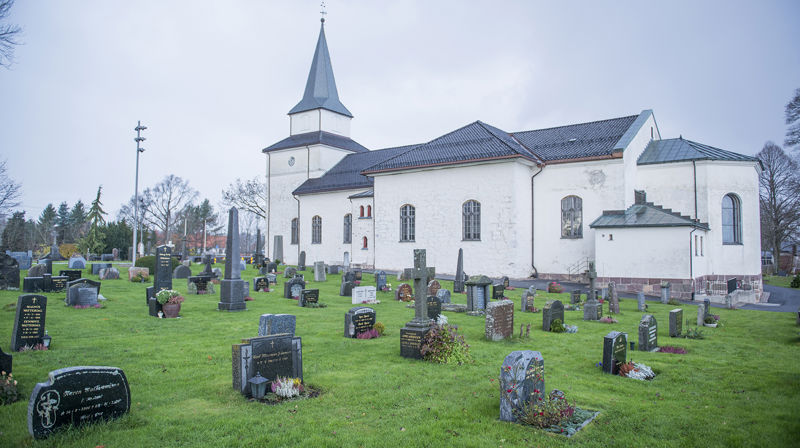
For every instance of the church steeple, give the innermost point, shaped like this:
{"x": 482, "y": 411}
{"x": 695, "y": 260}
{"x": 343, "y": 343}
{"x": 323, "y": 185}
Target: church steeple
{"x": 320, "y": 90}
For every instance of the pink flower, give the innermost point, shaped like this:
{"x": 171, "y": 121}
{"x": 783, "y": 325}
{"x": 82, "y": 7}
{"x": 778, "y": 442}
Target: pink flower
{"x": 509, "y": 390}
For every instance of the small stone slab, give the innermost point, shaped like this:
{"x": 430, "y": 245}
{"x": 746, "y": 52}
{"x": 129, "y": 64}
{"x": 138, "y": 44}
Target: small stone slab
{"x": 499, "y": 320}
{"x": 676, "y": 323}
{"x": 364, "y": 294}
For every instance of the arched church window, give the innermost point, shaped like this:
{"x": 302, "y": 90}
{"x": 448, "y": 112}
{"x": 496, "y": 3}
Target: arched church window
{"x": 407, "y": 223}
{"x": 731, "y": 219}
{"x": 294, "y": 231}
{"x": 316, "y": 230}
{"x": 348, "y": 228}
{"x": 471, "y": 221}
{"x": 361, "y": 212}
{"x": 572, "y": 217}
{"x": 369, "y": 211}
{"x": 364, "y": 245}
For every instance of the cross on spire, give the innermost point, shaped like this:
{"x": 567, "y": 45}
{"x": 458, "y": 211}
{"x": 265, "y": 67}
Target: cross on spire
{"x": 322, "y": 12}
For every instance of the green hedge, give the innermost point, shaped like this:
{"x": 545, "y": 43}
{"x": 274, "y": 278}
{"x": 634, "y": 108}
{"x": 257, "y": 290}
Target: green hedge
{"x": 149, "y": 262}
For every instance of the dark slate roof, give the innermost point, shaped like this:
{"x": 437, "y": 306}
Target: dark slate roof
{"x": 594, "y": 139}
{"x": 680, "y": 150}
{"x": 346, "y": 174}
{"x": 321, "y": 86}
{"x": 314, "y": 138}
{"x": 364, "y": 194}
{"x": 475, "y": 141}
{"x": 645, "y": 215}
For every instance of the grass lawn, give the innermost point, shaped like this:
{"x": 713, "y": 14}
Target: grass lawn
{"x": 776, "y": 280}
{"x": 740, "y": 386}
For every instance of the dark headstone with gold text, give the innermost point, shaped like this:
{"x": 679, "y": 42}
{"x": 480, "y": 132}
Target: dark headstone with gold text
{"x": 29, "y": 321}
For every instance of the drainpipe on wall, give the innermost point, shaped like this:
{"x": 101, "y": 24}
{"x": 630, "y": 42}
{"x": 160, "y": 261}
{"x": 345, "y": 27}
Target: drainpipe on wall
{"x": 691, "y": 260}
{"x": 533, "y": 222}
{"x": 298, "y": 228}
{"x": 694, "y": 175}
{"x": 269, "y": 197}
{"x": 374, "y": 217}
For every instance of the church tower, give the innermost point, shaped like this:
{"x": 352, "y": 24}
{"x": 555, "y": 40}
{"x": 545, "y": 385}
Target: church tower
{"x": 319, "y": 138}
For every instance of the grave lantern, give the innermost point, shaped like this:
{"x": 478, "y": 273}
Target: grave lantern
{"x": 258, "y": 386}
{"x": 46, "y": 339}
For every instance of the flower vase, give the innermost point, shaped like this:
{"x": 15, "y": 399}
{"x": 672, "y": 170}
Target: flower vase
{"x": 171, "y": 310}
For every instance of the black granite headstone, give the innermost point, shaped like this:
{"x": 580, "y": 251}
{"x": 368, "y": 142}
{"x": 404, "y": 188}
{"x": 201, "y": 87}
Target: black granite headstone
{"x": 200, "y": 282}
{"x": 260, "y": 284}
{"x": 615, "y": 351}
{"x": 498, "y": 292}
{"x": 308, "y": 296}
{"x": 162, "y": 278}
{"x": 434, "y": 307}
{"x": 71, "y": 274}
{"x": 380, "y": 280}
{"x": 358, "y": 320}
{"x": 6, "y": 362}
{"x": 29, "y": 321}
{"x": 272, "y": 356}
{"x": 74, "y": 288}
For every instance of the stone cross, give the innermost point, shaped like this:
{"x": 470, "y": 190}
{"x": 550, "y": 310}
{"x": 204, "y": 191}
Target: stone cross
{"x": 592, "y": 274}
{"x": 420, "y": 275}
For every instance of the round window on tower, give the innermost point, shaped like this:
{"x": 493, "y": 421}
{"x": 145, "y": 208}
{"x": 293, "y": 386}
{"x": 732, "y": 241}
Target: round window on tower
{"x": 291, "y": 161}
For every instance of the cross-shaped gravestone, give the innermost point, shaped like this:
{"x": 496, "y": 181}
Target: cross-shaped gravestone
{"x": 420, "y": 275}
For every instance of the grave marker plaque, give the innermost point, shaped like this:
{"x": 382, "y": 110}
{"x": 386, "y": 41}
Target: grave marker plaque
{"x": 648, "y": 333}
{"x": 434, "y": 308}
{"x": 522, "y": 373}
{"x": 358, "y": 320}
{"x": 77, "y": 395}
{"x": 308, "y": 296}
{"x": 29, "y": 321}
{"x": 675, "y": 323}
{"x": 272, "y": 356}
{"x": 615, "y": 351}
{"x": 499, "y": 320}
{"x": 498, "y": 292}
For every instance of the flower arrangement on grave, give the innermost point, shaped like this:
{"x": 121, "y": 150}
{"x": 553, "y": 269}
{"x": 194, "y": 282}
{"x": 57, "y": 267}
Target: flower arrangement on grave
{"x": 386, "y": 287}
{"x": 372, "y": 333}
{"x": 570, "y": 328}
{"x": 607, "y": 320}
{"x": 287, "y": 387}
{"x": 82, "y": 307}
{"x": 636, "y": 371}
{"x": 8, "y": 388}
{"x": 140, "y": 277}
{"x": 36, "y": 347}
{"x": 443, "y": 345}
{"x": 315, "y": 305}
{"x": 672, "y": 349}
{"x": 169, "y": 296}
{"x": 555, "y": 287}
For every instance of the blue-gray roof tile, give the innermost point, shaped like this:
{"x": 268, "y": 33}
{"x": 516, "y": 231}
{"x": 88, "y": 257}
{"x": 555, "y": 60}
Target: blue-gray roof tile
{"x": 317, "y": 138}
{"x": 681, "y": 150}
{"x": 576, "y": 141}
{"x": 644, "y": 215}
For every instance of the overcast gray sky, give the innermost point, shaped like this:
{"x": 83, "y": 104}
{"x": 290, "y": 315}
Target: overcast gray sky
{"x": 213, "y": 80}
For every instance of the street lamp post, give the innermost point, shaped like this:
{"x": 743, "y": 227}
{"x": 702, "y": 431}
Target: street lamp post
{"x": 139, "y": 128}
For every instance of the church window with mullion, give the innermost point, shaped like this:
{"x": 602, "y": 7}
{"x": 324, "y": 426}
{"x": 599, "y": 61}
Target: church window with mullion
{"x": 294, "y": 231}
{"x": 407, "y": 223}
{"x": 316, "y": 230}
{"x": 572, "y": 217}
{"x": 348, "y": 228}
{"x": 471, "y": 221}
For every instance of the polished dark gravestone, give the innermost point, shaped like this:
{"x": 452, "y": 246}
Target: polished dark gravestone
{"x": 272, "y": 268}
{"x": 232, "y": 287}
{"x": 29, "y": 321}
{"x": 308, "y": 296}
{"x": 575, "y": 297}
{"x": 83, "y": 291}
{"x": 346, "y": 288}
{"x": 200, "y": 283}
{"x": 380, "y": 280}
{"x": 404, "y": 293}
{"x": 357, "y": 320}
{"x": 615, "y": 351}
{"x": 648, "y": 333}
{"x": 271, "y": 356}
{"x": 6, "y": 362}
{"x": 458, "y": 283}
{"x": 182, "y": 271}
{"x": 676, "y": 323}
{"x": 77, "y": 395}
{"x": 498, "y": 292}
{"x": 412, "y": 334}
{"x": 260, "y": 284}
{"x": 293, "y": 288}
{"x": 499, "y": 320}
{"x": 208, "y": 268}
{"x": 434, "y": 308}
{"x": 552, "y": 310}
{"x": 478, "y": 290}
{"x": 45, "y": 283}
{"x": 522, "y": 373}
{"x": 9, "y": 272}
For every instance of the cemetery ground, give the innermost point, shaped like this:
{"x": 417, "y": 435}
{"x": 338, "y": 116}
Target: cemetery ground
{"x": 740, "y": 386}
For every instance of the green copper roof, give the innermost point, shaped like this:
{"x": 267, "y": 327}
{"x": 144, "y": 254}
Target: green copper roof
{"x": 321, "y": 86}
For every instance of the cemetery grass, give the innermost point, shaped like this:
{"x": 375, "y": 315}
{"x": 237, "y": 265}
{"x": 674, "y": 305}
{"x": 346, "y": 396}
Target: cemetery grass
{"x": 740, "y": 386}
{"x": 777, "y": 280}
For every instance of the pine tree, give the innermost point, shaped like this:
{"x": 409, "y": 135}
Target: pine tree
{"x": 47, "y": 221}
{"x": 62, "y": 221}
{"x": 14, "y": 233}
{"x": 93, "y": 243}
{"x": 77, "y": 221}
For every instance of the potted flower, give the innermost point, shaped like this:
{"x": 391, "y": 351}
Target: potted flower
{"x": 170, "y": 301}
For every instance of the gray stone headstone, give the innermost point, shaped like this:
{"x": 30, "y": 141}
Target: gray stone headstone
{"x": 272, "y": 279}
{"x": 277, "y": 248}
{"x": 613, "y": 298}
{"x": 182, "y": 271}
{"x": 648, "y": 333}
{"x": 24, "y": 259}
{"x": 232, "y": 287}
{"x": 665, "y": 292}
{"x": 527, "y": 299}
{"x": 552, "y": 310}
{"x": 458, "y": 283}
{"x": 301, "y": 262}
{"x": 29, "y": 321}
{"x": 380, "y": 280}
{"x": 319, "y": 271}
{"x": 270, "y": 324}
{"x": 74, "y": 289}
{"x": 9, "y": 272}
{"x": 292, "y": 288}
{"x": 522, "y": 373}
{"x": 77, "y": 262}
{"x": 701, "y": 315}
{"x": 592, "y": 310}
{"x": 615, "y": 351}
{"x": 706, "y": 309}
{"x": 97, "y": 266}
{"x": 575, "y": 297}
{"x": 478, "y": 292}
{"x": 109, "y": 274}
{"x": 289, "y": 272}
{"x": 443, "y": 295}
{"x": 640, "y": 300}
{"x": 75, "y": 396}
{"x": 37, "y": 270}
{"x": 499, "y": 320}
{"x": 675, "y": 323}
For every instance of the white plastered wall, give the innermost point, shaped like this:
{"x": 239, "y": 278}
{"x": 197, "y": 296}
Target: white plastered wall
{"x": 630, "y": 155}
{"x": 641, "y": 252}
{"x": 363, "y": 227}
{"x": 331, "y": 207}
{"x": 320, "y": 120}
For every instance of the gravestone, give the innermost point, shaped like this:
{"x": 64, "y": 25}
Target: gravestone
{"x": 640, "y": 301}
{"x": 552, "y": 310}
{"x": 346, "y": 288}
{"x": 575, "y": 297}
{"x": 434, "y": 308}
{"x": 676, "y": 323}
{"x": 260, "y": 284}
{"x": 182, "y": 271}
{"x": 28, "y": 321}
{"x": 332, "y": 269}
{"x": 665, "y": 287}
{"x": 277, "y": 248}
{"x": 706, "y": 309}
{"x": 358, "y": 274}
{"x": 357, "y": 320}
{"x": 77, "y": 262}
{"x": 83, "y": 292}
{"x": 289, "y": 272}
{"x": 6, "y": 362}
{"x": 505, "y": 282}
{"x": 364, "y": 294}
{"x": 498, "y": 292}
{"x": 76, "y": 395}
{"x": 242, "y": 359}
{"x": 272, "y": 268}
{"x": 615, "y": 351}
{"x": 272, "y": 357}
{"x": 134, "y": 271}
{"x": 242, "y": 265}
{"x": 592, "y": 310}
{"x": 37, "y": 270}
{"x": 32, "y": 284}
{"x": 319, "y": 271}
{"x": 301, "y": 263}
{"x": 258, "y": 260}
{"x": 216, "y": 273}
{"x": 9, "y": 272}
{"x": 200, "y": 282}
{"x": 478, "y": 292}
{"x": 109, "y": 274}
{"x": 522, "y": 373}
{"x": 527, "y": 299}
{"x": 231, "y": 288}
{"x": 648, "y": 333}
{"x": 293, "y": 288}
{"x": 24, "y": 259}
{"x": 613, "y": 298}
{"x": 499, "y": 320}
{"x": 48, "y": 263}
{"x": 349, "y": 276}
{"x": 346, "y": 260}
{"x": 433, "y": 287}
{"x": 208, "y": 269}
{"x": 272, "y": 279}
{"x": 380, "y": 280}
{"x": 97, "y": 266}
{"x": 107, "y": 257}
{"x": 412, "y": 334}
{"x": 404, "y": 293}
{"x": 308, "y": 296}
{"x": 732, "y": 284}
{"x": 443, "y": 295}
{"x": 701, "y": 315}
{"x": 115, "y": 253}
{"x": 70, "y": 274}
{"x": 270, "y": 324}
{"x": 458, "y": 283}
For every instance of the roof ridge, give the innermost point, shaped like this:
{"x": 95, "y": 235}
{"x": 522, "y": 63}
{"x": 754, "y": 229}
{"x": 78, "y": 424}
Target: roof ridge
{"x": 576, "y": 124}
{"x": 488, "y": 128}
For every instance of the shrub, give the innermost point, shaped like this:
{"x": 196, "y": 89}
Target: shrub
{"x": 444, "y": 345}
{"x": 149, "y": 262}
{"x": 67, "y": 250}
{"x": 546, "y": 413}
{"x": 710, "y": 320}
{"x": 555, "y": 287}
{"x": 674, "y": 302}
{"x": 140, "y": 277}
{"x": 557, "y": 326}
{"x": 795, "y": 281}
{"x": 8, "y": 388}
{"x": 379, "y": 327}
{"x": 693, "y": 333}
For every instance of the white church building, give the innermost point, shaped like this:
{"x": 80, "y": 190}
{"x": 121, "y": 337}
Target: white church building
{"x": 541, "y": 202}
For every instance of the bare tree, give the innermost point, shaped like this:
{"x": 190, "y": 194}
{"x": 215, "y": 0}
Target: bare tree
{"x": 249, "y": 195}
{"x": 10, "y": 191}
{"x": 164, "y": 202}
{"x": 779, "y": 197}
{"x": 793, "y": 121}
{"x": 8, "y": 35}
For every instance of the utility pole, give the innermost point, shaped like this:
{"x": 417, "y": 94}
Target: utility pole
{"x": 139, "y": 128}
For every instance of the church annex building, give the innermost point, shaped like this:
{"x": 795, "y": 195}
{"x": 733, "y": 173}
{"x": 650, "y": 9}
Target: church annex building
{"x": 538, "y": 202}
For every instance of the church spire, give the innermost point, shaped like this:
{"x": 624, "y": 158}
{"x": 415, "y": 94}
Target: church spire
{"x": 320, "y": 90}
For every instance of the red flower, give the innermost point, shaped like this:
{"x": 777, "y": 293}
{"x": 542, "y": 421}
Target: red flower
{"x": 509, "y": 390}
